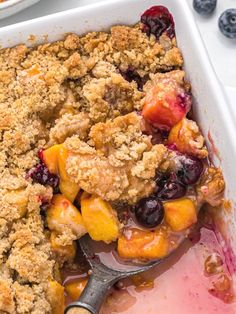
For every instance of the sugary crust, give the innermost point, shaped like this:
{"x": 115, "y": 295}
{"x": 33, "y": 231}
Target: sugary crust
{"x": 111, "y": 96}
{"x": 68, "y": 125}
{"x": 121, "y": 163}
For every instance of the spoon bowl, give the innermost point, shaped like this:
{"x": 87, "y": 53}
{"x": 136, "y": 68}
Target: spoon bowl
{"x": 103, "y": 276}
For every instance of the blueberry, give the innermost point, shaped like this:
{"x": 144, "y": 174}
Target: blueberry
{"x": 40, "y": 174}
{"x": 172, "y": 189}
{"x": 227, "y": 23}
{"x": 161, "y": 179}
{"x": 158, "y": 20}
{"x": 149, "y": 212}
{"x": 191, "y": 169}
{"x": 204, "y": 6}
{"x": 132, "y": 75}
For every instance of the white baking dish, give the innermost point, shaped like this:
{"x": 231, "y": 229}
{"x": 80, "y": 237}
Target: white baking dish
{"x": 211, "y": 107}
{"x": 11, "y": 7}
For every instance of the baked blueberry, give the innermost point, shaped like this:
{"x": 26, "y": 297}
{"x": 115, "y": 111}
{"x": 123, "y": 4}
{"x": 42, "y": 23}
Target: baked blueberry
{"x": 191, "y": 169}
{"x": 172, "y": 189}
{"x": 227, "y": 23}
{"x": 132, "y": 75}
{"x": 149, "y": 212}
{"x": 204, "y": 6}
{"x": 40, "y": 174}
{"x": 158, "y": 20}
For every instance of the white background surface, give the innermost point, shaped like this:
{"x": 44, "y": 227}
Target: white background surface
{"x": 222, "y": 51}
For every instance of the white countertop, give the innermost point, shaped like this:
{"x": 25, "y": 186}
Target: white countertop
{"x": 222, "y": 51}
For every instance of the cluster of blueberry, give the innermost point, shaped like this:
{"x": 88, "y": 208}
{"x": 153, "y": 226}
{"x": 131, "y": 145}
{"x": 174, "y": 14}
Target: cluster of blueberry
{"x": 40, "y": 174}
{"x": 149, "y": 212}
{"x": 227, "y": 20}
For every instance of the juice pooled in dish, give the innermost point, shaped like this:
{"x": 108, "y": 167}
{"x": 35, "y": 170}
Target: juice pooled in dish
{"x": 97, "y": 138}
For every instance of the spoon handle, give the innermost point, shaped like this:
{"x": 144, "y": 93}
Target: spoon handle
{"x": 93, "y": 295}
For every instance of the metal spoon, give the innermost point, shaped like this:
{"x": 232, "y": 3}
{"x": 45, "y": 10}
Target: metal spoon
{"x": 102, "y": 278}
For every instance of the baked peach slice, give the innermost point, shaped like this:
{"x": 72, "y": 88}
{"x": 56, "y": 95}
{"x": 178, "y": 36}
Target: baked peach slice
{"x": 187, "y": 138}
{"x": 75, "y": 288}
{"x": 166, "y": 101}
{"x": 100, "y": 218}
{"x": 62, "y": 214}
{"x": 50, "y": 157}
{"x": 55, "y": 159}
{"x": 180, "y": 214}
{"x": 141, "y": 244}
{"x": 67, "y": 187}
{"x": 55, "y": 294}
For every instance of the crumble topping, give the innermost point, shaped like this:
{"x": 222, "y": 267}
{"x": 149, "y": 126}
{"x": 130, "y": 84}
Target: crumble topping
{"x": 121, "y": 163}
{"x": 110, "y": 97}
{"x": 69, "y": 124}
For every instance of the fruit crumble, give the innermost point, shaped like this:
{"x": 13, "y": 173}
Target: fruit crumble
{"x": 97, "y": 138}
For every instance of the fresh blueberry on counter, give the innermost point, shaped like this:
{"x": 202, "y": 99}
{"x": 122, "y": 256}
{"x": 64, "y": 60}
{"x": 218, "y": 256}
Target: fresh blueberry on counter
{"x": 227, "y": 23}
{"x": 205, "y": 7}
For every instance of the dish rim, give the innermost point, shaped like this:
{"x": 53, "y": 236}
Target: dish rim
{"x": 9, "y": 3}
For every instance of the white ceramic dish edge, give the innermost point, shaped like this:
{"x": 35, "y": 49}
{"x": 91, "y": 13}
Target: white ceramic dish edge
{"x": 211, "y": 106}
{"x": 12, "y": 7}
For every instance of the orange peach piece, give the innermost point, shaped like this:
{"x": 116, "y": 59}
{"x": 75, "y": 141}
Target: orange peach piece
{"x": 67, "y": 187}
{"x": 187, "y": 138}
{"x": 67, "y": 251}
{"x": 75, "y": 288}
{"x": 62, "y": 215}
{"x": 180, "y": 214}
{"x": 62, "y": 158}
{"x": 99, "y": 218}
{"x": 175, "y": 137}
{"x": 50, "y": 158}
{"x": 34, "y": 70}
{"x": 140, "y": 244}
{"x": 166, "y": 102}
{"x": 55, "y": 294}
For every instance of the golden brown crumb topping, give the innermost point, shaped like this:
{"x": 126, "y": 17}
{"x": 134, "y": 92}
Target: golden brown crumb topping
{"x": 120, "y": 165}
